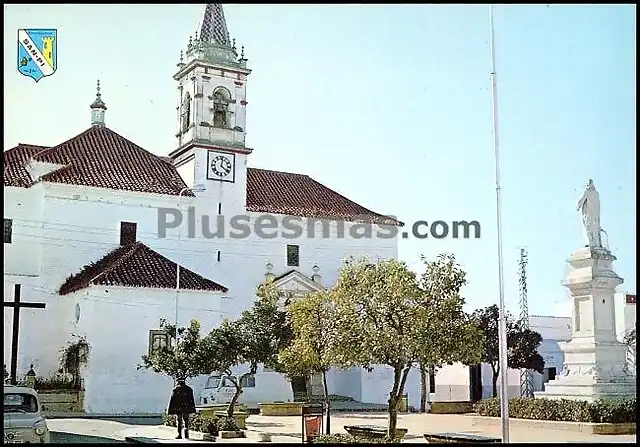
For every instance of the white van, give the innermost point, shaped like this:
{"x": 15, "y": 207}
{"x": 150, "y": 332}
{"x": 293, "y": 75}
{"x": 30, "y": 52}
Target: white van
{"x": 264, "y": 387}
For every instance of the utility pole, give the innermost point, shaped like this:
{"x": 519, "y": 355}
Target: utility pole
{"x": 526, "y": 378}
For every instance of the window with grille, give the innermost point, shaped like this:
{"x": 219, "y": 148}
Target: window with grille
{"x": 158, "y": 340}
{"x": 8, "y": 230}
{"x": 293, "y": 255}
{"x": 128, "y": 232}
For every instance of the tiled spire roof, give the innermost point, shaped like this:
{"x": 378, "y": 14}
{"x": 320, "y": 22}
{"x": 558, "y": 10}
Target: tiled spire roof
{"x": 213, "y": 26}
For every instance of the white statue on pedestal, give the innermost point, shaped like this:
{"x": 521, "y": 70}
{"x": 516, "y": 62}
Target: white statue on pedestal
{"x": 589, "y": 205}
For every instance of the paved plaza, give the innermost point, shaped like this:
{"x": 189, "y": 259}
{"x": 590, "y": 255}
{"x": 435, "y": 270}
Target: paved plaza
{"x": 287, "y": 429}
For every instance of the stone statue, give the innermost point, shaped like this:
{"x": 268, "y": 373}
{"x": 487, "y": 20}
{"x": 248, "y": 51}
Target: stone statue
{"x": 589, "y": 206}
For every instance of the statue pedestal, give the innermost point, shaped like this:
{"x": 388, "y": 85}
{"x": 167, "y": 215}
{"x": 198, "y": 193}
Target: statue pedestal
{"x": 595, "y": 363}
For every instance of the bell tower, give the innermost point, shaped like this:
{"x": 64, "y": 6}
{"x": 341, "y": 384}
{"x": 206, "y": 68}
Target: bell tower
{"x": 211, "y": 113}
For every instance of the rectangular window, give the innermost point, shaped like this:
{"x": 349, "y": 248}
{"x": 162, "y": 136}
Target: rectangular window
{"x": 248, "y": 382}
{"x": 128, "y": 232}
{"x": 219, "y": 208}
{"x": 158, "y": 340}
{"x": 293, "y": 256}
{"x": 432, "y": 379}
{"x": 8, "y": 230}
{"x": 218, "y": 257}
{"x": 552, "y": 374}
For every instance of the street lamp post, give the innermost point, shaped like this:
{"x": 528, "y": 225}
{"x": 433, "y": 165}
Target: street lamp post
{"x": 502, "y": 329}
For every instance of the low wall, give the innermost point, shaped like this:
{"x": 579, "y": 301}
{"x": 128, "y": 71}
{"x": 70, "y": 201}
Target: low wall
{"x": 281, "y": 409}
{"x": 451, "y": 407}
{"x": 62, "y": 401}
{"x": 581, "y": 427}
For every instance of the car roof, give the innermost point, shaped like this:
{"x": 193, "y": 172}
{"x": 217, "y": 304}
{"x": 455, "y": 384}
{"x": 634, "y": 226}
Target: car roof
{"x": 19, "y": 389}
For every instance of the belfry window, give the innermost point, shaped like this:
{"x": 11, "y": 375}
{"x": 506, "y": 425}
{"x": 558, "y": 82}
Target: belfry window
{"x": 185, "y": 118}
{"x": 221, "y": 99}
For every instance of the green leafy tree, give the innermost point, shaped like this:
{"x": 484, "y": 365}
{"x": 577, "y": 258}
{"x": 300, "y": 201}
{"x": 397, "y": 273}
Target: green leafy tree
{"x": 380, "y": 316}
{"x": 182, "y": 357}
{"x": 450, "y": 336}
{"x": 255, "y": 338}
{"x": 310, "y": 352}
{"x": 522, "y": 343}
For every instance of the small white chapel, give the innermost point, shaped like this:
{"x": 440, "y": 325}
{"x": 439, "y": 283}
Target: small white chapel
{"x": 81, "y": 236}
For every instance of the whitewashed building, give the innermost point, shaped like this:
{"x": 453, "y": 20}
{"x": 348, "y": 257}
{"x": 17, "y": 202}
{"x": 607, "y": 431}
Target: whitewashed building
{"x": 459, "y": 383}
{"x": 81, "y": 234}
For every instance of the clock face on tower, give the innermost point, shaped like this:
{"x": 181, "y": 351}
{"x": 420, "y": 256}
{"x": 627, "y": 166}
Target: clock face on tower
{"x": 220, "y": 166}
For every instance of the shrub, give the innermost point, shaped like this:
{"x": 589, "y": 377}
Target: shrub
{"x": 197, "y": 422}
{"x": 56, "y": 383}
{"x": 226, "y": 423}
{"x": 607, "y": 411}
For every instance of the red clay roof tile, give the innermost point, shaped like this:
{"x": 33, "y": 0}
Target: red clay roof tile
{"x": 14, "y": 161}
{"x": 136, "y": 265}
{"x": 300, "y": 195}
{"x": 100, "y": 157}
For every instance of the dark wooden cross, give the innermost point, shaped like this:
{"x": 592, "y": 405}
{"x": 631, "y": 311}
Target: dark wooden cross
{"x": 17, "y": 306}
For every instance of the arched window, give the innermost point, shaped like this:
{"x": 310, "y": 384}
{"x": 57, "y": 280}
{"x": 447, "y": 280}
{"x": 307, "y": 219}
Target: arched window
{"x": 185, "y": 118}
{"x": 221, "y": 100}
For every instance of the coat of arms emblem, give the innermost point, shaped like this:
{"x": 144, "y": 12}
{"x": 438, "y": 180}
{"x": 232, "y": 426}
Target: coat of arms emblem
{"x": 37, "y": 52}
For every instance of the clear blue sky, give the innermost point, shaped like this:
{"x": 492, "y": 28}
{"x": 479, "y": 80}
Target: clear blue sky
{"x": 389, "y": 105}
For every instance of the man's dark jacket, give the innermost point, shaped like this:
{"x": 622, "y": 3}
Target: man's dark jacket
{"x": 182, "y": 400}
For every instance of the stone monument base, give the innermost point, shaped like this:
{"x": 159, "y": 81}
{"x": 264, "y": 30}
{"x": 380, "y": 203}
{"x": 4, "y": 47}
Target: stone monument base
{"x": 588, "y": 387}
{"x": 595, "y": 362}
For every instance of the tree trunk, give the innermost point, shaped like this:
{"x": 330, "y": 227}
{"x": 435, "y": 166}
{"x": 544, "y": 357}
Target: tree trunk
{"x": 234, "y": 399}
{"x": 399, "y": 380}
{"x": 327, "y": 402}
{"x": 309, "y": 384}
{"x": 494, "y": 382}
{"x": 423, "y": 389}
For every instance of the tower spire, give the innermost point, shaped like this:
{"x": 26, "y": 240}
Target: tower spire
{"x": 98, "y": 108}
{"x": 213, "y": 26}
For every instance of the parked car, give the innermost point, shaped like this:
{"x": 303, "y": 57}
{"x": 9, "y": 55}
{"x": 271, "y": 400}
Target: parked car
{"x": 23, "y": 418}
{"x": 266, "y": 386}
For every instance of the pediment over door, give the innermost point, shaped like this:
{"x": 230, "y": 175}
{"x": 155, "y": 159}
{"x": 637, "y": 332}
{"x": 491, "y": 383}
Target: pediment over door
{"x": 297, "y": 283}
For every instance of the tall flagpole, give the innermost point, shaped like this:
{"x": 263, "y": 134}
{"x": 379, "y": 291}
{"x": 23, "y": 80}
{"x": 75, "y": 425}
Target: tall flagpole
{"x": 502, "y": 331}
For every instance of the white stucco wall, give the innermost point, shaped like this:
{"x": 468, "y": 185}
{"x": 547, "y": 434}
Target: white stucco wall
{"x": 79, "y": 225}
{"x": 116, "y": 322}
{"x": 452, "y": 382}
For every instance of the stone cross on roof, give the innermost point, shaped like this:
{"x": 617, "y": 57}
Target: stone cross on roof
{"x": 213, "y": 26}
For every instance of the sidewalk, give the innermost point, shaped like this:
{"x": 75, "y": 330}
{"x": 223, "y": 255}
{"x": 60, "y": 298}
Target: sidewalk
{"x": 287, "y": 429}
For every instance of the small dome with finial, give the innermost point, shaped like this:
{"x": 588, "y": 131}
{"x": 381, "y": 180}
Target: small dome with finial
{"x": 98, "y": 108}
{"x": 98, "y": 103}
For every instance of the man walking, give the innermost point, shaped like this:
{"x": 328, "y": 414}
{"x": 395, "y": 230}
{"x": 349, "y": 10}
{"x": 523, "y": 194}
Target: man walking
{"x": 182, "y": 405}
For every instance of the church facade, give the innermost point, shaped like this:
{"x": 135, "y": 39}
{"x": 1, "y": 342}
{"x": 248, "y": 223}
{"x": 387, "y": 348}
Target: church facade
{"x": 90, "y": 230}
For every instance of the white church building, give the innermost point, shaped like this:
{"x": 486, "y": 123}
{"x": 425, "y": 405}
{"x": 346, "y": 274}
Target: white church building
{"x": 81, "y": 234}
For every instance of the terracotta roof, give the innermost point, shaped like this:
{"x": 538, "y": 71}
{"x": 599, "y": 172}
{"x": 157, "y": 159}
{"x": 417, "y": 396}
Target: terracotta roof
{"x": 14, "y": 161}
{"x": 300, "y": 195}
{"x": 101, "y": 158}
{"x": 136, "y": 265}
